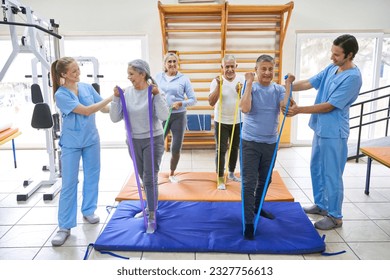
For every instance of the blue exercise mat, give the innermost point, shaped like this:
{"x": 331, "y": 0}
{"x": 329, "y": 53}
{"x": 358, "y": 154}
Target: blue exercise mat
{"x": 210, "y": 227}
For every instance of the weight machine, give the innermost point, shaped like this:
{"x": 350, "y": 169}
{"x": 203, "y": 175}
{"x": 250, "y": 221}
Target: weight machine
{"x": 95, "y": 65}
{"x": 33, "y": 41}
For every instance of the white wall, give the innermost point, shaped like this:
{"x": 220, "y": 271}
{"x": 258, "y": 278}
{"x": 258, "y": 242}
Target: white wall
{"x": 140, "y": 17}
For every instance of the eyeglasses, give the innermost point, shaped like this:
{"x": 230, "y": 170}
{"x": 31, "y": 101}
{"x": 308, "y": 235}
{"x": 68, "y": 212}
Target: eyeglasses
{"x": 171, "y": 61}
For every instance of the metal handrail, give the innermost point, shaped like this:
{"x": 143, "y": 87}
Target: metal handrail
{"x": 362, "y": 115}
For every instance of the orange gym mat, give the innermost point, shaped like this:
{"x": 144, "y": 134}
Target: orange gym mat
{"x": 201, "y": 186}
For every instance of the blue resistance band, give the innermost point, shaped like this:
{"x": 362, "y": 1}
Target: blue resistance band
{"x": 241, "y": 170}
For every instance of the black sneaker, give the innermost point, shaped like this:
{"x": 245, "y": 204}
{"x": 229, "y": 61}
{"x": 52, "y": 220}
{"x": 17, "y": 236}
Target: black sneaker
{"x": 249, "y": 232}
{"x": 265, "y": 214}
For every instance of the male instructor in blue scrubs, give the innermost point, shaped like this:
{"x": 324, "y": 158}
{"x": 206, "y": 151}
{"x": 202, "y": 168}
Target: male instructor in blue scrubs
{"x": 338, "y": 87}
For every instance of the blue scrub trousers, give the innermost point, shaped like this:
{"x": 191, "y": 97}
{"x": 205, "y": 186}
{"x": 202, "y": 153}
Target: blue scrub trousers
{"x": 70, "y": 160}
{"x": 328, "y": 159}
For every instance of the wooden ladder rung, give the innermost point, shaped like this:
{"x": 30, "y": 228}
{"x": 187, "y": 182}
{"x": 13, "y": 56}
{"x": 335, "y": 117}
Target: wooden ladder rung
{"x": 201, "y": 80}
{"x": 200, "y": 107}
{"x": 199, "y": 142}
{"x": 202, "y": 98}
{"x": 201, "y": 89}
{"x": 191, "y": 133}
{"x": 191, "y": 71}
{"x": 202, "y": 30}
{"x": 252, "y": 29}
{"x": 200, "y": 61}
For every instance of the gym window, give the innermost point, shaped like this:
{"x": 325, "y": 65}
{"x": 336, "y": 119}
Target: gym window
{"x": 112, "y": 54}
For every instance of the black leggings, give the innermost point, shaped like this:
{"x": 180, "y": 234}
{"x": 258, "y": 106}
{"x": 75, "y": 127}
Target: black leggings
{"x": 226, "y": 132}
{"x": 177, "y": 125}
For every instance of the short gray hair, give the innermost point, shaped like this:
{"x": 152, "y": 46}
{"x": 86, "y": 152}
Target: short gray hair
{"x": 141, "y": 66}
{"x": 265, "y": 58}
{"x": 228, "y": 57}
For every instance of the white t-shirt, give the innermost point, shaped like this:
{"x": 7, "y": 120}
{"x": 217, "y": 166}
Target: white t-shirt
{"x": 229, "y": 99}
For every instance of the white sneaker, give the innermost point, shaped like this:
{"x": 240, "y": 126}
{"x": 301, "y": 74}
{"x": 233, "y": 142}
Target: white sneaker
{"x": 173, "y": 179}
{"x": 92, "y": 219}
{"x": 60, "y": 237}
{"x": 221, "y": 186}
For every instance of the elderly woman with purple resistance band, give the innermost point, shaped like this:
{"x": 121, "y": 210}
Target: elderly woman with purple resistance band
{"x": 143, "y": 109}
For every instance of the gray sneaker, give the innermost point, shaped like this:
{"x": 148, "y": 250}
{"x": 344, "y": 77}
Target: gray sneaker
{"x": 314, "y": 209}
{"x": 60, "y": 237}
{"x": 234, "y": 178}
{"x": 92, "y": 219}
{"x": 328, "y": 223}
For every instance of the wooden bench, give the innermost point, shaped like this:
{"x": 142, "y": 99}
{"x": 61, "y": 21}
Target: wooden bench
{"x": 9, "y": 135}
{"x": 379, "y": 154}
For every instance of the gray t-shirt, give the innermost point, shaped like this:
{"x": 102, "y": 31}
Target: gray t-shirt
{"x": 138, "y": 111}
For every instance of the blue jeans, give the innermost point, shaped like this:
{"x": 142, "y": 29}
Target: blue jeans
{"x": 256, "y": 162}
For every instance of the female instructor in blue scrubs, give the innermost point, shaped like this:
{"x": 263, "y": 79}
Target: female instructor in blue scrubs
{"x": 79, "y": 139}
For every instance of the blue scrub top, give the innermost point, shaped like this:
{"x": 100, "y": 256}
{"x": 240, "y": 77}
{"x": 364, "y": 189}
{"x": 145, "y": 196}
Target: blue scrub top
{"x": 261, "y": 122}
{"x": 340, "y": 90}
{"x": 77, "y": 131}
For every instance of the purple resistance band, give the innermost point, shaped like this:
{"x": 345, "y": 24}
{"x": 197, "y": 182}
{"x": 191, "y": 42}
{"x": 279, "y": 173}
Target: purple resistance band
{"x": 131, "y": 146}
{"x": 150, "y": 101}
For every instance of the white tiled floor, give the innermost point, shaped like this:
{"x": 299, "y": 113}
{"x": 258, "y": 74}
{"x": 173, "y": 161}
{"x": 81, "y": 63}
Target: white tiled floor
{"x": 26, "y": 228}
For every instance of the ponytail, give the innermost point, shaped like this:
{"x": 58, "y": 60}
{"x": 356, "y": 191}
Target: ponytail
{"x": 59, "y": 67}
{"x": 55, "y": 80}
